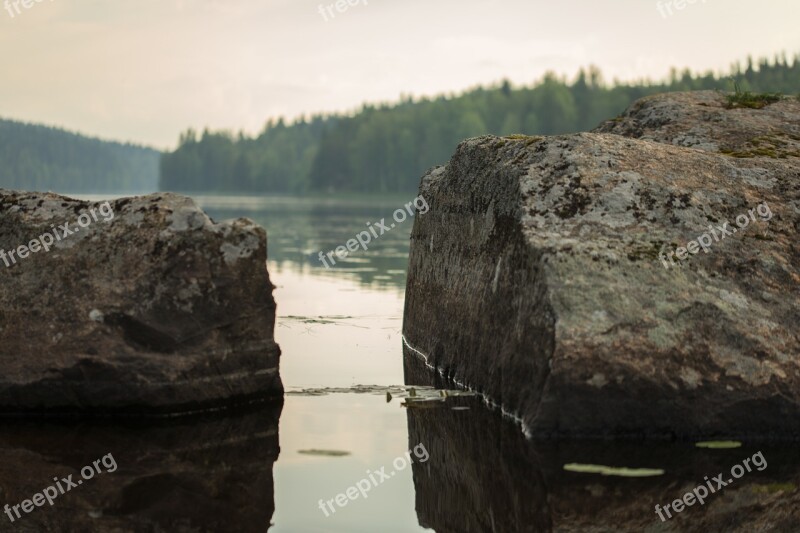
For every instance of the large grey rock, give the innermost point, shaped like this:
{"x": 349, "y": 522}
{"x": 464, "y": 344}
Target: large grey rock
{"x": 151, "y": 308}
{"x": 536, "y": 278}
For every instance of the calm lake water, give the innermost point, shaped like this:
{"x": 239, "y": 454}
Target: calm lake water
{"x": 337, "y": 327}
{"x": 340, "y": 333}
{"x": 341, "y": 327}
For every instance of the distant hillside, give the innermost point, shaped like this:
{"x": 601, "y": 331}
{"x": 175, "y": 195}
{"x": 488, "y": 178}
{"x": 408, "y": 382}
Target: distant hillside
{"x": 386, "y": 148}
{"x": 41, "y": 158}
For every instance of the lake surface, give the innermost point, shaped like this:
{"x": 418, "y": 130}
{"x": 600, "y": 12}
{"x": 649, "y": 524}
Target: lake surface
{"x": 339, "y": 329}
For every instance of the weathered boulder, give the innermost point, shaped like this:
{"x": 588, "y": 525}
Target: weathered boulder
{"x": 542, "y": 276}
{"x": 140, "y": 305}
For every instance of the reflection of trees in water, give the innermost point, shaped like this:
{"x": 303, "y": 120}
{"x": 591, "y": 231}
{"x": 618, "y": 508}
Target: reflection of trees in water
{"x": 299, "y": 229}
{"x": 371, "y": 277}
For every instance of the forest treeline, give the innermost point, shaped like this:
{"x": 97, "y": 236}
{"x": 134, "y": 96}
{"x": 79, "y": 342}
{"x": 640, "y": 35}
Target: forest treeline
{"x": 386, "y": 148}
{"x": 42, "y": 158}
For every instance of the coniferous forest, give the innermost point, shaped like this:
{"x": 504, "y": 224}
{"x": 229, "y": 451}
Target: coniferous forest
{"x": 379, "y": 148}
{"x": 385, "y": 148}
{"x": 42, "y": 158}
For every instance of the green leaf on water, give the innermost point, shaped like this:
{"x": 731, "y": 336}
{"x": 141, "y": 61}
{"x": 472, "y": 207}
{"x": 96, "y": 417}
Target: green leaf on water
{"x": 423, "y": 403}
{"x": 324, "y": 453}
{"x": 612, "y": 471}
{"x": 719, "y": 444}
{"x": 773, "y": 488}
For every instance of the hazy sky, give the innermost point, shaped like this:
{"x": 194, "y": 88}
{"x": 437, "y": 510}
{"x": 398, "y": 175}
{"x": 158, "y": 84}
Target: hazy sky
{"x": 144, "y": 70}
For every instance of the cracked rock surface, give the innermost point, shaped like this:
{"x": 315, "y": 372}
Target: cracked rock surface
{"x": 541, "y": 275}
{"x": 154, "y": 309}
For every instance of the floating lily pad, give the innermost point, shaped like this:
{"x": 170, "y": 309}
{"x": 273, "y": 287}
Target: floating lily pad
{"x": 613, "y": 471}
{"x": 423, "y": 403}
{"x": 774, "y": 487}
{"x": 324, "y": 453}
{"x": 719, "y": 444}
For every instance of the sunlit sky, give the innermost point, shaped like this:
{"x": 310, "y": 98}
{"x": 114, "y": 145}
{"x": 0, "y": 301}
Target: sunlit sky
{"x": 145, "y": 70}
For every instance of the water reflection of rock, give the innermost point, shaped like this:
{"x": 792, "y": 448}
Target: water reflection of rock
{"x": 200, "y": 474}
{"x": 483, "y": 475}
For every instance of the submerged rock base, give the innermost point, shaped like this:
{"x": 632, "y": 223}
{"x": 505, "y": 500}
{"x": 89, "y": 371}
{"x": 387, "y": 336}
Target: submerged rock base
{"x": 187, "y": 475}
{"x": 484, "y": 475}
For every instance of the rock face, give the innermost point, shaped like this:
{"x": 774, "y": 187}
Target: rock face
{"x": 552, "y": 275}
{"x": 147, "y": 306}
